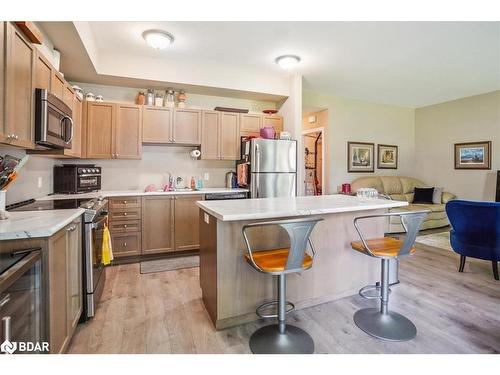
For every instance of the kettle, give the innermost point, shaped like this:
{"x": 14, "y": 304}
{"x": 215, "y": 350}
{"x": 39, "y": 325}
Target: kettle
{"x": 230, "y": 180}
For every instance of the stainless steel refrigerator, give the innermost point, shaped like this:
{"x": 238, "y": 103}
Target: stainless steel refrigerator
{"x": 272, "y": 167}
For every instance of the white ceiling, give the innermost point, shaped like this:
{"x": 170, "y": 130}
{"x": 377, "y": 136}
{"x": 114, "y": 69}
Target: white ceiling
{"x": 403, "y": 63}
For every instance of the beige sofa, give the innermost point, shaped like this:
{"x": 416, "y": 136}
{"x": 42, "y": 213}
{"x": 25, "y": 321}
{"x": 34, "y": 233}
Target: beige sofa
{"x": 401, "y": 189}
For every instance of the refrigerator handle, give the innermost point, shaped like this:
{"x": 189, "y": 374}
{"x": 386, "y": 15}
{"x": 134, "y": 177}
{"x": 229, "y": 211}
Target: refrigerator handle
{"x": 257, "y": 169}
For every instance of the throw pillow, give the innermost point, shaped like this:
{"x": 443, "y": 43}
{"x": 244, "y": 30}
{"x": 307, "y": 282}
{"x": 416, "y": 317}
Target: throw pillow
{"x": 438, "y": 195}
{"x": 423, "y": 195}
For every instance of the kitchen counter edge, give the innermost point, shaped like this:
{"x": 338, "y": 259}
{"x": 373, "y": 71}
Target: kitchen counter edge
{"x": 36, "y": 224}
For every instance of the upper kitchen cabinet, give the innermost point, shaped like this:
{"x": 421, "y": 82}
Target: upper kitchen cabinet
{"x": 43, "y": 72}
{"x": 210, "y": 135}
{"x": 250, "y": 123}
{"x": 157, "y": 124}
{"x": 58, "y": 84}
{"x": 128, "y": 132}
{"x": 186, "y": 126}
{"x": 229, "y": 136}
{"x": 220, "y": 135}
{"x": 101, "y": 119}
{"x": 68, "y": 95}
{"x": 274, "y": 121}
{"x": 76, "y": 143}
{"x": 18, "y": 87}
{"x": 113, "y": 131}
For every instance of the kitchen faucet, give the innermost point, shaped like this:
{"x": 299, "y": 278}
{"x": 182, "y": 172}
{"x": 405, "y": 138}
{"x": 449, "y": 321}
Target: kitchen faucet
{"x": 169, "y": 186}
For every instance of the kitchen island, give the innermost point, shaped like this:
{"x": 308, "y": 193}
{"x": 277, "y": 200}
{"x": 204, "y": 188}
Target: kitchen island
{"x": 232, "y": 289}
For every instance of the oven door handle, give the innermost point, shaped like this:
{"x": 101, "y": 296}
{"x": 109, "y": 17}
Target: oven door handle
{"x": 97, "y": 224}
{"x": 12, "y": 274}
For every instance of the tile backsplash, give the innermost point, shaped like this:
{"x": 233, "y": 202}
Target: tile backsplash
{"x": 153, "y": 167}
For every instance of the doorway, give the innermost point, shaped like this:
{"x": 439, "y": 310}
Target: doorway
{"x": 314, "y": 165}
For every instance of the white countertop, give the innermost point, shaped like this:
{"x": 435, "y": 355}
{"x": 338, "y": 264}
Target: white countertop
{"x": 272, "y": 208}
{"x": 129, "y": 193}
{"x": 34, "y": 224}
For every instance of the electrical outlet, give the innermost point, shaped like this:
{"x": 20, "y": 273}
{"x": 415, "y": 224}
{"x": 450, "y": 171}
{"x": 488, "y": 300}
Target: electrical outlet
{"x": 40, "y": 182}
{"x": 206, "y": 176}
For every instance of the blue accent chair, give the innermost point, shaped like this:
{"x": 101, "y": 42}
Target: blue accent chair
{"x": 475, "y": 231}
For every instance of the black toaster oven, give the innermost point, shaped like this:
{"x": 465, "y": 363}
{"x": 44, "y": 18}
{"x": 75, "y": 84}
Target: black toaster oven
{"x": 76, "y": 178}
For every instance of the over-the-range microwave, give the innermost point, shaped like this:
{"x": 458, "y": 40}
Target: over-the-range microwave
{"x": 53, "y": 121}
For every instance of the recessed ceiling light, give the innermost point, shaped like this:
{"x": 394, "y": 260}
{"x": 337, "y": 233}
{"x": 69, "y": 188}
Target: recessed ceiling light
{"x": 158, "y": 39}
{"x": 288, "y": 62}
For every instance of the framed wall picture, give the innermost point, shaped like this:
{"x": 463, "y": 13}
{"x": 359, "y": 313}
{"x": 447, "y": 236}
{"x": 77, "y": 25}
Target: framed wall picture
{"x": 387, "y": 157}
{"x": 473, "y": 155}
{"x": 360, "y": 157}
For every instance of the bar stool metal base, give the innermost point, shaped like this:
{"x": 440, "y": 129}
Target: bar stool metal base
{"x": 268, "y": 340}
{"x": 390, "y": 327}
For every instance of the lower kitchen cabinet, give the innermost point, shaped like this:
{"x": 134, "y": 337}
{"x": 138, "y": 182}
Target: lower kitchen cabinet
{"x": 64, "y": 285}
{"x": 125, "y": 218}
{"x": 74, "y": 274}
{"x": 126, "y": 244}
{"x": 186, "y": 222}
{"x": 157, "y": 224}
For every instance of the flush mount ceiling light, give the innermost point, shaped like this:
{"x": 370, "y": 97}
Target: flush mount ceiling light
{"x": 288, "y": 62}
{"x": 158, "y": 39}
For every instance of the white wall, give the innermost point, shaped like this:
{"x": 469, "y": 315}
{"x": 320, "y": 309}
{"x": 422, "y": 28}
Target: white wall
{"x": 26, "y": 184}
{"x": 354, "y": 120}
{"x": 439, "y": 126}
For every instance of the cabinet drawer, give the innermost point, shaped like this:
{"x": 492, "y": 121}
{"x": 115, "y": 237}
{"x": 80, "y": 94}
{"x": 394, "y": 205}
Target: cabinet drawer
{"x": 124, "y": 202}
{"x": 121, "y": 214}
{"x": 125, "y": 226}
{"x": 125, "y": 245}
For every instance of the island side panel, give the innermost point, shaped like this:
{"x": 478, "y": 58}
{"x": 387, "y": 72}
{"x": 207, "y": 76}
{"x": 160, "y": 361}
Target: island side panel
{"x": 338, "y": 271}
{"x": 208, "y": 263}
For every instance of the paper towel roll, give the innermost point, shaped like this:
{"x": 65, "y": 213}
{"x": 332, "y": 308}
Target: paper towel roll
{"x": 195, "y": 154}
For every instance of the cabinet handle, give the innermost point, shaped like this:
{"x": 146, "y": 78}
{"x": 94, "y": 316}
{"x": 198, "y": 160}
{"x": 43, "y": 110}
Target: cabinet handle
{"x": 124, "y": 214}
{"x": 16, "y": 137}
{"x": 124, "y": 244}
{"x": 124, "y": 225}
{"x": 124, "y": 202}
{"x": 71, "y": 228}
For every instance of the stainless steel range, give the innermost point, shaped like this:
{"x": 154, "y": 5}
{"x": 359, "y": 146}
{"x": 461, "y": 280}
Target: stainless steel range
{"x": 95, "y": 218}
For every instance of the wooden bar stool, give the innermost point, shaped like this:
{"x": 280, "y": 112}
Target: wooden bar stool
{"x": 382, "y": 323}
{"x": 280, "y": 338}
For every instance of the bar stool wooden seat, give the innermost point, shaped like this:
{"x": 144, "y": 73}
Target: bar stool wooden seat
{"x": 282, "y": 338}
{"x": 382, "y": 323}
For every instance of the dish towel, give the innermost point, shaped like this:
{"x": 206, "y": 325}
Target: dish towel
{"x": 107, "y": 251}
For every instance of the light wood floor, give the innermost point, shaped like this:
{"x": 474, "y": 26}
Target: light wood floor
{"x": 163, "y": 313}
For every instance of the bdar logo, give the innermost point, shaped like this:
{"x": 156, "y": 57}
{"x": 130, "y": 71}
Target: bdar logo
{"x": 8, "y": 347}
